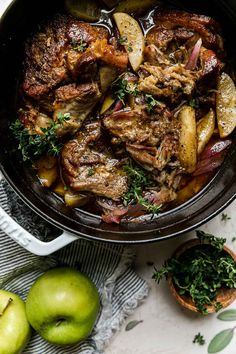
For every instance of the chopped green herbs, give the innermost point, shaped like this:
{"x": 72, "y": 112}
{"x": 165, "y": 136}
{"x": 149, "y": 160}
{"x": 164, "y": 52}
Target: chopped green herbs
{"x": 130, "y": 49}
{"x": 122, "y": 40}
{"x": 194, "y": 103}
{"x": 78, "y": 46}
{"x": 225, "y": 217}
{"x": 151, "y": 208}
{"x": 199, "y": 339}
{"x": 121, "y": 87}
{"x": 138, "y": 181}
{"x": 233, "y": 239}
{"x": 35, "y": 145}
{"x": 201, "y": 271}
{"x": 152, "y": 103}
{"x": 90, "y": 172}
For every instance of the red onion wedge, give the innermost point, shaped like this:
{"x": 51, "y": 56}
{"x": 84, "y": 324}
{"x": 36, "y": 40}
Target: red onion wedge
{"x": 212, "y": 157}
{"x": 118, "y": 106}
{"x": 193, "y": 58}
{"x": 214, "y": 148}
{"x": 209, "y": 165}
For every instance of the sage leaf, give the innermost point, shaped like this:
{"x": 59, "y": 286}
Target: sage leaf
{"x": 221, "y": 340}
{"x": 132, "y": 324}
{"x": 228, "y": 315}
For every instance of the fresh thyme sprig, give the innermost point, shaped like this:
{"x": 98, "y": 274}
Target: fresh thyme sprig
{"x": 152, "y": 103}
{"x": 201, "y": 271}
{"x": 122, "y": 40}
{"x": 138, "y": 181}
{"x": 121, "y": 87}
{"x": 35, "y": 145}
{"x": 217, "y": 242}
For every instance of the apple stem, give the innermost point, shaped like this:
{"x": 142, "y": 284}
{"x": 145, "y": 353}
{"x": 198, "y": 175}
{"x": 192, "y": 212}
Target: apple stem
{"x": 6, "y": 306}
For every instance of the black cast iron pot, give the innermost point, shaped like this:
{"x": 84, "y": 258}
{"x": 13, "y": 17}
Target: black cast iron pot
{"x": 20, "y": 19}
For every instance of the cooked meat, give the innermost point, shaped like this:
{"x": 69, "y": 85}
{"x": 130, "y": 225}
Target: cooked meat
{"x": 163, "y": 196}
{"x": 88, "y": 165}
{"x": 136, "y": 126}
{"x": 175, "y": 20}
{"x": 45, "y": 59}
{"x": 82, "y": 66}
{"x": 80, "y": 32}
{"x": 109, "y": 55}
{"x": 78, "y": 101}
{"x": 162, "y": 37}
{"x": 33, "y": 119}
{"x": 209, "y": 62}
{"x": 154, "y": 56}
{"x": 168, "y": 81}
{"x": 66, "y": 47}
{"x": 156, "y": 157}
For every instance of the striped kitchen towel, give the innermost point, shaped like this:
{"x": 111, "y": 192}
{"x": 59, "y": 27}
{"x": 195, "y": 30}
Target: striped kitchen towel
{"x": 109, "y": 266}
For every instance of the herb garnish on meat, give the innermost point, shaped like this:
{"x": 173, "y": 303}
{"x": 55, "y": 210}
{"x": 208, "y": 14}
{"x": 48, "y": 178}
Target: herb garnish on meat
{"x": 78, "y": 46}
{"x": 152, "y": 103}
{"x": 122, "y": 40}
{"x": 129, "y": 48}
{"x": 201, "y": 271}
{"x": 32, "y": 146}
{"x": 121, "y": 87}
{"x": 138, "y": 181}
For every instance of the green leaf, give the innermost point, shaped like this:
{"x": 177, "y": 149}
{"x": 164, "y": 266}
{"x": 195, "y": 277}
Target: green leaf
{"x": 228, "y": 315}
{"x": 132, "y": 324}
{"x": 221, "y": 340}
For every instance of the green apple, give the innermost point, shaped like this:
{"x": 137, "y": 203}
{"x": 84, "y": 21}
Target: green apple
{"x": 14, "y": 326}
{"x": 62, "y": 306}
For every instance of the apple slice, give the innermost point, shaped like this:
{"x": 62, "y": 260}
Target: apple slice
{"x": 132, "y": 38}
{"x": 205, "y": 130}
{"x": 188, "y": 139}
{"x": 226, "y": 105}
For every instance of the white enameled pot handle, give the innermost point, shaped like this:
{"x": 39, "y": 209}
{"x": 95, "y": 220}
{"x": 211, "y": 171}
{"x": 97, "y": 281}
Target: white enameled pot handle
{"x": 28, "y": 241}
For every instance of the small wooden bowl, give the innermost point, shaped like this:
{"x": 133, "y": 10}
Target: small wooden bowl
{"x": 225, "y": 296}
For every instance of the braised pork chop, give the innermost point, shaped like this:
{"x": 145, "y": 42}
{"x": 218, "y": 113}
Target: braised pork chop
{"x": 59, "y": 53}
{"x": 88, "y": 165}
{"x": 78, "y": 101}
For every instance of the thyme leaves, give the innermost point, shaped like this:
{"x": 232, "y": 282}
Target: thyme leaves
{"x": 35, "y": 145}
{"x": 201, "y": 271}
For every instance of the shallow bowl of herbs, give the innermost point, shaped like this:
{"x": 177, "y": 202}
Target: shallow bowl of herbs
{"x": 201, "y": 274}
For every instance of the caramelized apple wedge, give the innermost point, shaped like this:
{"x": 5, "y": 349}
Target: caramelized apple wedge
{"x": 132, "y": 38}
{"x": 226, "y": 105}
{"x": 188, "y": 139}
{"x": 205, "y": 130}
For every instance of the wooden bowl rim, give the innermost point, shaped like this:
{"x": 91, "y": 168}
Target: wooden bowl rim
{"x": 227, "y": 297}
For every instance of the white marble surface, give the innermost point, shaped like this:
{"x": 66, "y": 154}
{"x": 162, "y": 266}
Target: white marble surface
{"x": 166, "y": 327}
